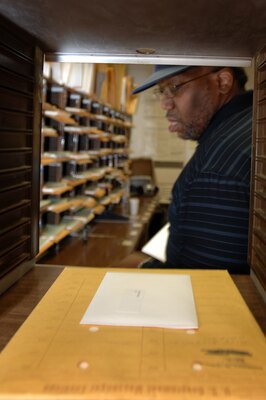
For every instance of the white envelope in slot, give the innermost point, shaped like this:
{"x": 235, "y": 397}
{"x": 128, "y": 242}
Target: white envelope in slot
{"x": 156, "y": 246}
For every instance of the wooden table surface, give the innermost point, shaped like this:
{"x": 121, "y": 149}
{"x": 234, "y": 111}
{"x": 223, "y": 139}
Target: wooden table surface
{"x": 19, "y": 300}
{"x": 108, "y": 242}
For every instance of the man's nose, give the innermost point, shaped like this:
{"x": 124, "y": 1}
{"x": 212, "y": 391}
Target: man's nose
{"x": 167, "y": 103}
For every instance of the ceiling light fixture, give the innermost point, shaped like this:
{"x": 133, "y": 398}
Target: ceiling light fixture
{"x": 145, "y": 50}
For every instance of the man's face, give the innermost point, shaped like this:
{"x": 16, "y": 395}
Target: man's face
{"x": 191, "y": 108}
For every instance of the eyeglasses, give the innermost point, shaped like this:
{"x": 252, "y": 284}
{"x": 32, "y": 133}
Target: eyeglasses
{"x": 170, "y": 91}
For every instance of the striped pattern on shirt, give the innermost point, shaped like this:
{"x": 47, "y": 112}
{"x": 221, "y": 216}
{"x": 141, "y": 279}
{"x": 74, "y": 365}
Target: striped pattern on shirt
{"x": 209, "y": 213}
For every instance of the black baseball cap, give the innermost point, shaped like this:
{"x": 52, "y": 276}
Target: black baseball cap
{"x": 161, "y": 72}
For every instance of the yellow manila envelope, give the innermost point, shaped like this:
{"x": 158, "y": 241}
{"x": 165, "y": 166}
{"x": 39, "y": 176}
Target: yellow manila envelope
{"x": 54, "y": 356}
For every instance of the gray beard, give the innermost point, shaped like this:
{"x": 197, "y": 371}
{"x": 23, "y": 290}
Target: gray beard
{"x": 190, "y": 134}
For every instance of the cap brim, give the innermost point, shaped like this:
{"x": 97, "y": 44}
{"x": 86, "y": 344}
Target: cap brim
{"x": 161, "y": 73}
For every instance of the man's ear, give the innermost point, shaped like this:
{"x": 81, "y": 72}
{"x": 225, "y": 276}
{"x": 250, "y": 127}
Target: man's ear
{"x": 225, "y": 80}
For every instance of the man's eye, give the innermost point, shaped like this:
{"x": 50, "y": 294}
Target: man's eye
{"x": 174, "y": 88}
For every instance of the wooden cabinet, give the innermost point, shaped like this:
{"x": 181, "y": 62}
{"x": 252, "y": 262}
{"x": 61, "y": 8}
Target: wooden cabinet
{"x": 257, "y": 240}
{"x": 21, "y": 68}
{"x": 84, "y": 161}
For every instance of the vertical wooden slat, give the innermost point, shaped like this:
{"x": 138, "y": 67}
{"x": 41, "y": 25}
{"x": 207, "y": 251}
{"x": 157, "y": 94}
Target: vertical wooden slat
{"x": 257, "y": 237}
{"x": 36, "y": 155}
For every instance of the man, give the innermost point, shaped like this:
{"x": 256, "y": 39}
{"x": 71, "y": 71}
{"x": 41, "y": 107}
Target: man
{"x": 209, "y": 212}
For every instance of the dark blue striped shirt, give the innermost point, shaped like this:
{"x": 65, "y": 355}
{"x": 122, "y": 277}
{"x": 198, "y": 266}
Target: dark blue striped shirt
{"x": 209, "y": 213}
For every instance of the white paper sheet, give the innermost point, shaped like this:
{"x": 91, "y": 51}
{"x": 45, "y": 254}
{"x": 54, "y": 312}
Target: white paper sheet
{"x": 143, "y": 299}
{"x": 156, "y": 246}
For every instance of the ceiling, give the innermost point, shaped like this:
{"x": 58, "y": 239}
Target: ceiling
{"x": 209, "y": 29}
